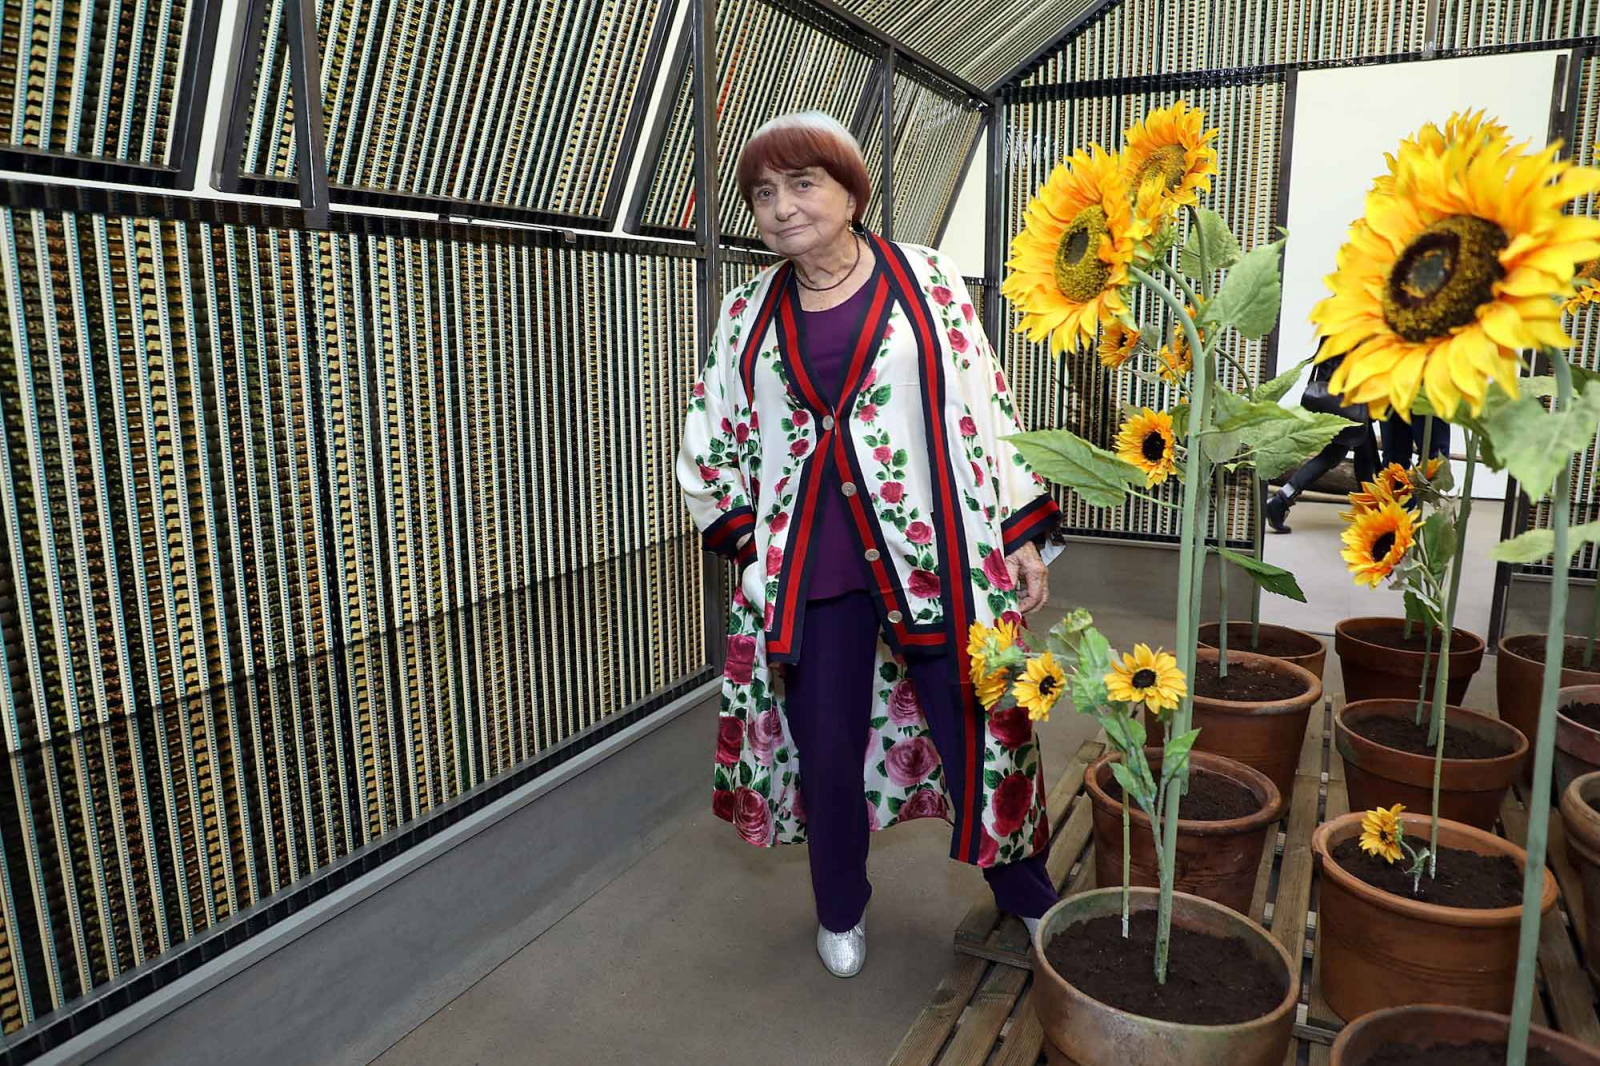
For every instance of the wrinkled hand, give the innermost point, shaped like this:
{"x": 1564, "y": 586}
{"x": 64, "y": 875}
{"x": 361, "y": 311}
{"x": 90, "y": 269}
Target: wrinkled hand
{"x": 1029, "y": 574}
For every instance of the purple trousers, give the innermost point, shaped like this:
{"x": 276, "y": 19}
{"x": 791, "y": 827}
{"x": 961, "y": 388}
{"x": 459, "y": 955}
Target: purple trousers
{"x": 829, "y": 709}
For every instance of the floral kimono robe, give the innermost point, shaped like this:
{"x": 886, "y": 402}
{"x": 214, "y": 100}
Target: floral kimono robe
{"x": 937, "y": 500}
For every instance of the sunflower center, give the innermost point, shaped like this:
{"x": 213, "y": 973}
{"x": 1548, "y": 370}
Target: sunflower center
{"x": 1155, "y": 447}
{"x": 1444, "y": 275}
{"x": 1080, "y": 274}
{"x": 1381, "y": 547}
{"x": 1144, "y": 678}
{"x": 1047, "y": 686}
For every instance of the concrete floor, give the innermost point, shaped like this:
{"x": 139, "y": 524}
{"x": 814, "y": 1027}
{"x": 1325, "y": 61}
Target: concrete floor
{"x": 703, "y": 950}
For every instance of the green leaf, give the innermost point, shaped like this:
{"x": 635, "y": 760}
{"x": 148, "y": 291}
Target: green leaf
{"x": 1088, "y": 690}
{"x": 1221, "y": 249}
{"x": 1096, "y": 475}
{"x": 1250, "y": 297}
{"x": 1282, "y": 438}
{"x": 1439, "y": 541}
{"x": 991, "y": 779}
{"x": 1226, "y": 406}
{"x": 889, "y": 672}
{"x": 1143, "y": 792}
{"x": 1180, "y": 421}
{"x": 1219, "y": 446}
{"x": 1535, "y": 444}
{"x": 1279, "y": 387}
{"x": 1175, "y": 754}
{"x": 763, "y": 785}
{"x": 746, "y": 774}
{"x": 1536, "y": 544}
{"x": 1271, "y": 578}
{"x": 1416, "y": 610}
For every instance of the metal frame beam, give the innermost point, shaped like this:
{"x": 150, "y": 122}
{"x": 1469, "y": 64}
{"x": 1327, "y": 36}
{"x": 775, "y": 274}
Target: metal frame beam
{"x": 1044, "y": 51}
{"x": 310, "y": 136}
{"x": 886, "y": 117}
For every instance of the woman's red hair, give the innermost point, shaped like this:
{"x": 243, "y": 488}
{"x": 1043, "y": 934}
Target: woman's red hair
{"x": 799, "y": 144}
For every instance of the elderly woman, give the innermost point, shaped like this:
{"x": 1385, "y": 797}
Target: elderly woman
{"x": 845, "y": 447}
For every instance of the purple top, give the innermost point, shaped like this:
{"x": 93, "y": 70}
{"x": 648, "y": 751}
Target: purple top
{"x": 831, "y": 337}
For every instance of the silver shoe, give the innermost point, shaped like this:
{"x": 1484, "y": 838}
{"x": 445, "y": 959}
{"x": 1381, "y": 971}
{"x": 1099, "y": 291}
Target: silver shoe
{"x": 843, "y": 953}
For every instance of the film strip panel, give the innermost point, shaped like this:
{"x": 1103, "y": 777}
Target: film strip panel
{"x": 934, "y": 133}
{"x": 518, "y": 103}
{"x": 1583, "y": 328}
{"x": 301, "y": 537}
{"x": 1074, "y": 391}
{"x": 979, "y": 288}
{"x": 768, "y": 63}
{"x": 981, "y": 41}
{"x": 1476, "y": 23}
{"x": 94, "y": 80}
{"x": 1141, "y": 37}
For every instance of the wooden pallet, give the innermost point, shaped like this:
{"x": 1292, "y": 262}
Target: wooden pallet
{"x": 981, "y": 1013}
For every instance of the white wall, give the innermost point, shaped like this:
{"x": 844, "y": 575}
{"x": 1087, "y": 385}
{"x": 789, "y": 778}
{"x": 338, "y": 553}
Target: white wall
{"x": 963, "y": 237}
{"x": 1345, "y": 120}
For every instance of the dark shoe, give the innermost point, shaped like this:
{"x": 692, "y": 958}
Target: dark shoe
{"x": 1277, "y": 510}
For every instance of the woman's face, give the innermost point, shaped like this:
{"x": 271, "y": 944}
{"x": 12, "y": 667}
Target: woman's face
{"x": 800, "y": 211}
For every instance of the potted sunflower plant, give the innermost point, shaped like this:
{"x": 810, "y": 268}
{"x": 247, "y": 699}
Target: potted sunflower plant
{"x": 1418, "y": 747}
{"x": 1101, "y": 228}
{"x": 1247, "y": 1017}
{"x": 1460, "y": 262}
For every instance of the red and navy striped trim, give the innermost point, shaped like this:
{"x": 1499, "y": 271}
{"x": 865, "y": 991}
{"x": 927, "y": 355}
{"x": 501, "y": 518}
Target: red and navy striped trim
{"x": 722, "y": 536}
{"x": 953, "y": 562}
{"x": 776, "y": 290}
{"x": 1029, "y": 522}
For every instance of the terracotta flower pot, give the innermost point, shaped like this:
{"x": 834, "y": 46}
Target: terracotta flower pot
{"x": 1311, "y": 653}
{"x": 1577, "y": 746}
{"x": 1373, "y": 670}
{"x": 1580, "y": 813}
{"x": 1470, "y": 790}
{"x": 1082, "y": 1030}
{"x": 1426, "y": 1026}
{"x": 1266, "y": 736}
{"x": 1381, "y": 950}
{"x": 1519, "y": 678}
{"x": 1215, "y": 860}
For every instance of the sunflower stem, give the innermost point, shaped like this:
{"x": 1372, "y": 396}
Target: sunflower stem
{"x": 1442, "y": 667}
{"x": 1183, "y": 282}
{"x": 1166, "y": 841}
{"x": 1543, "y": 745}
{"x": 1427, "y": 443}
{"x": 1222, "y": 577}
{"x": 1127, "y": 866}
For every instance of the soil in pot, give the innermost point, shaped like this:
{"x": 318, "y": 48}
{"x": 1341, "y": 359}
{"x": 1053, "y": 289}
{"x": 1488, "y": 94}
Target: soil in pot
{"x": 1464, "y": 878}
{"x": 1477, "y": 1053}
{"x": 1406, "y": 735}
{"x": 1585, "y": 714}
{"x": 1532, "y": 647}
{"x": 1211, "y": 798}
{"x": 1245, "y": 683}
{"x": 1280, "y": 644}
{"x": 1418, "y": 641}
{"x": 1211, "y": 980}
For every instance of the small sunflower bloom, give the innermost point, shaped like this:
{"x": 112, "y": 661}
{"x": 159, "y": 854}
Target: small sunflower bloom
{"x": 1381, "y": 832}
{"x": 1148, "y": 677}
{"x": 1376, "y": 542}
{"x": 1170, "y": 150}
{"x": 1146, "y": 441}
{"x": 1117, "y": 344}
{"x": 1040, "y": 686}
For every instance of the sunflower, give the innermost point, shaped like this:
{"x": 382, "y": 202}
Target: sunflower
{"x": 1392, "y": 486}
{"x": 1588, "y": 288}
{"x": 1117, "y": 344}
{"x": 1376, "y": 542}
{"x": 1175, "y": 360}
{"x": 1381, "y": 832}
{"x": 1070, "y": 262}
{"x": 991, "y": 684}
{"x": 1170, "y": 148}
{"x": 1446, "y": 278}
{"x": 1471, "y": 128}
{"x": 1150, "y": 677}
{"x": 1146, "y": 441}
{"x": 1040, "y": 687}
